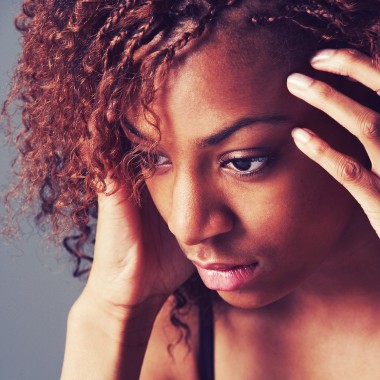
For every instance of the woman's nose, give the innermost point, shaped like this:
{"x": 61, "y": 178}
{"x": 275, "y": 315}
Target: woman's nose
{"x": 197, "y": 212}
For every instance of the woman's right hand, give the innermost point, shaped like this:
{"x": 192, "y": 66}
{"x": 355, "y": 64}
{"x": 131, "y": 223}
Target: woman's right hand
{"x": 136, "y": 258}
{"x": 137, "y": 265}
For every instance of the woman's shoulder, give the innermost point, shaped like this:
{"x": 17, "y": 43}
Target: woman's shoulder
{"x": 169, "y": 355}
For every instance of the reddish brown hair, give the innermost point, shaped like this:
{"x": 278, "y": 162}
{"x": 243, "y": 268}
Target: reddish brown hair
{"x": 84, "y": 63}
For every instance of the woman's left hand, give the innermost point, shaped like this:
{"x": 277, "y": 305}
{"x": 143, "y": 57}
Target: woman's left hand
{"x": 363, "y": 122}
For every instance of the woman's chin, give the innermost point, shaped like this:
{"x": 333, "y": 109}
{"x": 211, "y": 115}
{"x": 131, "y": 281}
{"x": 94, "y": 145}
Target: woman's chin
{"x": 248, "y": 300}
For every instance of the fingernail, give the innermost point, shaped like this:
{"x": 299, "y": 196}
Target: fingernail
{"x": 322, "y": 56}
{"x": 300, "y": 81}
{"x": 301, "y": 135}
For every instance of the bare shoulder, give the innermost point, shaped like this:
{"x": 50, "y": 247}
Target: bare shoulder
{"x": 168, "y": 356}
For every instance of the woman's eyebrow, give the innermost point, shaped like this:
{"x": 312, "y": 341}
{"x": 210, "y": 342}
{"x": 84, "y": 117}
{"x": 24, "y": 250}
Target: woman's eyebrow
{"x": 134, "y": 131}
{"x": 226, "y": 132}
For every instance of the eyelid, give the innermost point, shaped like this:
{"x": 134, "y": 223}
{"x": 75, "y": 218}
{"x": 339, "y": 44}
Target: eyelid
{"x": 150, "y": 158}
{"x": 245, "y": 153}
{"x": 265, "y": 159}
{"x": 148, "y": 149}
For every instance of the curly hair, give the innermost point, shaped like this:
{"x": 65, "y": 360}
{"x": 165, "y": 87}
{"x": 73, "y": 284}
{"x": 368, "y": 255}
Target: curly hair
{"x": 85, "y": 62}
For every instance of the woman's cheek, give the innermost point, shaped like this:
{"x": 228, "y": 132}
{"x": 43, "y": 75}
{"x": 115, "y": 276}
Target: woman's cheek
{"x": 290, "y": 204}
{"x": 285, "y": 204}
{"x": 160, "y": 189}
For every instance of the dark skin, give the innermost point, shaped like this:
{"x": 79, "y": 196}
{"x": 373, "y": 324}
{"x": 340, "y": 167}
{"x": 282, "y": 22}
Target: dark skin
{"x": 318, "y": 252}
{"x": 284, "y": 190}
{"x": 312, "y": 311}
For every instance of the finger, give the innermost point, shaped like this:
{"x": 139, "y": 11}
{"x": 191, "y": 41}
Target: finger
{"x": 361, "y": 121}
{"x": 116, "y": 201}
{"x": 363, "y": 185}
{"x": 118, "y": 219}
{"x": 350, "y": 63}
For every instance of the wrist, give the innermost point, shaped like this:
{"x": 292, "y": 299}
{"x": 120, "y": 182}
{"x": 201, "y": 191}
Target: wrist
{"x": 107, "y": 342}
{"x": 121, "y": 299}
{"x": 93, "y": 312}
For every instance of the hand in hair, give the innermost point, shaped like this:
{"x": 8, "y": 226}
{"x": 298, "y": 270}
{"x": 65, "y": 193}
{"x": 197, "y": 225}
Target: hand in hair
{"x": 363, "y": 122}
{"x": 136, "y": 257}
{"x": 137, "y": 265}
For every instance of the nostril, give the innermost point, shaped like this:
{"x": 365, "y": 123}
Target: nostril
{"x": 194, "y": 229}
{"x": 184, "y": 235}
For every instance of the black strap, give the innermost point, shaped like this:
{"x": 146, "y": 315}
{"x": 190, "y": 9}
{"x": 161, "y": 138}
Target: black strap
{"x": 206, "y": 343}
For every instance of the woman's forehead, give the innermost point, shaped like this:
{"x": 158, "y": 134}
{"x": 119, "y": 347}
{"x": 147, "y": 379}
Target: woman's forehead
{"x": 229, "y": 67}
{"x": 210, "y": 90}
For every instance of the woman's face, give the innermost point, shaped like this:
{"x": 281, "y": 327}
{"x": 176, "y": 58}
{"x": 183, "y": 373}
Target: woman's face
{"x": 231, "y": 184}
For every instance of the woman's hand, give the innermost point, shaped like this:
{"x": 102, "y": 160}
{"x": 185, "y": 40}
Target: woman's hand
{"x": 361, "y": 121}
{"x": 136, "y": 257}
{"x": 137, "y": 265}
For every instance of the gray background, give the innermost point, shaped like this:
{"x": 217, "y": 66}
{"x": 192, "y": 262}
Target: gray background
{"x": 36, "y": 286}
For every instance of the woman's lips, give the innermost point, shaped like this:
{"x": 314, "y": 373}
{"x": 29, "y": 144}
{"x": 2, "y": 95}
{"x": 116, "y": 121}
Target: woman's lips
{"x": 226, "y": 278}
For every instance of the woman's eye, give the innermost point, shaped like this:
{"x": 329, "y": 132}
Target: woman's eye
{"x": 154, "y": 161}
{"x": 160, "y": 160}
{"x": 246, "y": 166}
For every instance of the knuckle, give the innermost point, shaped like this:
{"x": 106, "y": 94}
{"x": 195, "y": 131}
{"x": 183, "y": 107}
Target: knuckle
{"x": 350, "y": 55}
{"x": 369, "y": 125}
{"x": 325, "y": 91}
{"x": 347, "y": 58}
{"x": 349, "y": 170}
{"x": 320, "y": 149}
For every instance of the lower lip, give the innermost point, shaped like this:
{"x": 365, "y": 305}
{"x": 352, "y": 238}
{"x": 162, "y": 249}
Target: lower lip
{"x": 229, "y": 279}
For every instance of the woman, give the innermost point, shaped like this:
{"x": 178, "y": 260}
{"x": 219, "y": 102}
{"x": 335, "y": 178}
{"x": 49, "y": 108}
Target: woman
{"x": 252, "y": 161}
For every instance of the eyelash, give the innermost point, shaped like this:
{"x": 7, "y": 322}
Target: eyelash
{"x": 224, "y": 162}
{"x": 150, "y": 161}
{"x": 264, "y": 160}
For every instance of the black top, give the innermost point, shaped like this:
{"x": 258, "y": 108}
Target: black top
{"x": 206, "y": 343}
